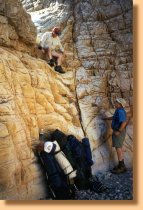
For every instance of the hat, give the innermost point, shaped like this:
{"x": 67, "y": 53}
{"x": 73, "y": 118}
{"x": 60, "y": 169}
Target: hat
{"x": 49, "y": 147}
{"x": 57, "y": 31}
{"x": 121, "y": 101}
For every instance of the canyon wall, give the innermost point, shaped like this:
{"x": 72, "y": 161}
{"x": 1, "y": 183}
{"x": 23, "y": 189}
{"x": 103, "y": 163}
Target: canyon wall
{"x": 97, "y": 37}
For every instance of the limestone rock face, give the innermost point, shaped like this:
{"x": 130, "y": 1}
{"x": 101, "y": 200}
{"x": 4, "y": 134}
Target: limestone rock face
{"x": 33, "y": 96}
{"x": 16, "y": 28}
{"x": 103, "y": 42}
{"x": 97, "y": 36}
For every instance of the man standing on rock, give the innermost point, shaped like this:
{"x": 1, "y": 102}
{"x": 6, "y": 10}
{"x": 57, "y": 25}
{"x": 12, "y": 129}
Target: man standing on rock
{"x": 52, "y": 47}
{"x": 118, "y": 125}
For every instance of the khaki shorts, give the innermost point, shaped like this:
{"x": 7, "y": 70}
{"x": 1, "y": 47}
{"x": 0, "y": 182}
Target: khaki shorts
{"x": 117, "y": 141}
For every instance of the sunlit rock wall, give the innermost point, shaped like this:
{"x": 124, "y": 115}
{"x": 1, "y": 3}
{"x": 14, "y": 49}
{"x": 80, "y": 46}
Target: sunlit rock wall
{"x": 97, "y": 36}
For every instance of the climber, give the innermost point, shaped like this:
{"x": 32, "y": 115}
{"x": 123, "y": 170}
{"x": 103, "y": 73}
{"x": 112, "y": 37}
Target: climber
{"x": 118, "y": 125}
{"x": 51, "y": 46}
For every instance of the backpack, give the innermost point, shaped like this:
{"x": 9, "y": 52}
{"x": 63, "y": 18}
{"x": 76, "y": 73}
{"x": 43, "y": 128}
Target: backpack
{"x": 78, "y": 153}
{"x": 87, "y": 150}
{"x": 54, "y": 148}
{"x": 74, "y": 152}
{"x": 67, "y": 151}
{"x": 88, "y": 157}
{"x": 60, "y": 137}
{"x": 57, "y": 181}
{"x": 83, "y": 156}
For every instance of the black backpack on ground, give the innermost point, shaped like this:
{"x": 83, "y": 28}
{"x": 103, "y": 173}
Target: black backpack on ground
{"x": 60, "y": 137}
{"x": 83, "y": 156}
{"x": 57, "y": 181}
{"x": 74, "y": 152}
{"x": 80, "y": 156}
{"x": 88, "y": 157}
{"x": 78, "y": 153}
{"x": 87, "y": 150}
{"x": 71, "y": 147}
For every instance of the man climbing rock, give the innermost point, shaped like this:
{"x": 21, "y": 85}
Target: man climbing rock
{"x": 118, "y": 125}
{"x": 52, "y": 47}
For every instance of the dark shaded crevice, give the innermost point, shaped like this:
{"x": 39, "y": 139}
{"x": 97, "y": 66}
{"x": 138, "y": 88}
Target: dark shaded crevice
{"x": 75, "y": 83}
{"x": 102, "y": 156}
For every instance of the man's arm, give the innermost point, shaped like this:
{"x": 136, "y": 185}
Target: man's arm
{"x": 43, "y": 39}
{"x": 123, "y": 125}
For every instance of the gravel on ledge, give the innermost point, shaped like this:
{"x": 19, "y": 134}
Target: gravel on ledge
{"x": 119, "y": 187}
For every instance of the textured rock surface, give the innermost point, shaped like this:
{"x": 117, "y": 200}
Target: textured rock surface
{"x": 103, "y": 41}
{"x": 33, "y": 96}
{"x": 16, "y": 28}
{"x": 97, "y": 36}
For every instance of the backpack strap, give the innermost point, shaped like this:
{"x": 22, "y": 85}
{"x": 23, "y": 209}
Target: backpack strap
{"x": 70, "y": 172}
{"x": 57, "y": 152}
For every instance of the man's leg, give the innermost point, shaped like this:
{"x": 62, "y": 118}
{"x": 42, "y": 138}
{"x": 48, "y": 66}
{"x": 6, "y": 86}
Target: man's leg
{"x": 49, "y": 51}
{"x": 59, "y": 57}
{"x": 120, "y": 154}
{"x": 48, "y": 54}
{"x": 121, "y": 166}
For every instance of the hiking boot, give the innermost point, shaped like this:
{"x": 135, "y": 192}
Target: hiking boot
{"x": 59, "y": 69}
{"x": 121, "y": 168}
{"x": 51, "y": 62}
{"x": 116, "y": 167}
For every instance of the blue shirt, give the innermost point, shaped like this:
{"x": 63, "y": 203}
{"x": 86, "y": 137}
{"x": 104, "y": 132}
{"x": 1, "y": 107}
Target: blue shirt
{"x": 118, "y": 117}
